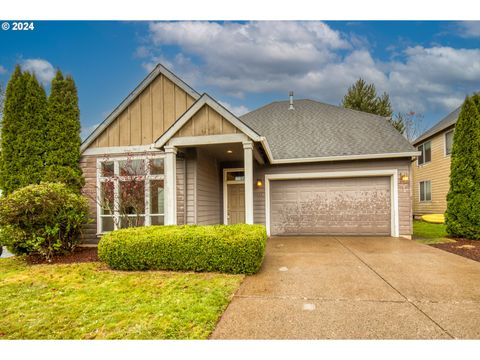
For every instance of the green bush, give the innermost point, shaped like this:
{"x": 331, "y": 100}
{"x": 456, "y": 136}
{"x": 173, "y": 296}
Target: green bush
{"x": 43, "y": 219}
{"x": 237, "y": 249}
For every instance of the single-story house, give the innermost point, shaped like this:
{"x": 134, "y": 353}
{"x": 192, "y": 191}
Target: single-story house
{"x": 300, "y": 167}
{"x": 431, "y": 172}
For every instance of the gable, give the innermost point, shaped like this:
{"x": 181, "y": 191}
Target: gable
{"x": 207, "y": 121}
{"x": 206, "y": 117}
{"x": 152, "y": 112}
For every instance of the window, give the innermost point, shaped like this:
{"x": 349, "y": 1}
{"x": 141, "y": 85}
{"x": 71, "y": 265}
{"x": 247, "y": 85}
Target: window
{"x": 426, "y": 190}
{"x": 448, "y": 142}
{"x": 426, "y": 153}
{"x": 130, "y": 192}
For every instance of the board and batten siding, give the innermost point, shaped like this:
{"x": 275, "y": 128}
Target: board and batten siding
{"x": 404, "y": 189}
{"x": 152, "y": 112}
{"x": 206, "y": 121}
{"x": 208, "y": 190}
{"x": 89, "y": 168}
{"x": 438, "y": 172}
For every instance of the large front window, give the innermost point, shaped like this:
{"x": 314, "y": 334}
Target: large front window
{"x": 130, "y": 192}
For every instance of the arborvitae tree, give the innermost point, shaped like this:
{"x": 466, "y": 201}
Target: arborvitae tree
{"x": 11, "y": 124}
{"x": 22, "y": 140}
{"x": 62, "y": 157}
{"x": 463, "y": 199}
{"x": 31, "y": 136}
{"x": 2, "y": 101}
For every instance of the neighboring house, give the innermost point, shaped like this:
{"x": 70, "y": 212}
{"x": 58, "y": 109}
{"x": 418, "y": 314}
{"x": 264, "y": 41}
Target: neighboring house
{"x": 431, "y": 170}
{"x": 299, "y": 167}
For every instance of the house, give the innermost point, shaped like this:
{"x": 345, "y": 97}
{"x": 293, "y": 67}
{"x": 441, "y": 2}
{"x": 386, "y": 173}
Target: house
{"x": 300, "y": 167}
{"x": 431, "y": 170}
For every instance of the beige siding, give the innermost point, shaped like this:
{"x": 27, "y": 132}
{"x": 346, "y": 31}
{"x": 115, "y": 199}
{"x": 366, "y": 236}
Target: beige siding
{"x": 148, "y": 116}
{"x": 206, "y": 122}
{"x": 208, "y": 189}
{"x": 191, "y": 190}
{"x": 404, "y": 192}
{"x": 438, "y": 172}
{"x": 89, "y": 168}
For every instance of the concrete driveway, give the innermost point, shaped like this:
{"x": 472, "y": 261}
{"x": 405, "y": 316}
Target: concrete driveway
{"x": 355, "y": 288}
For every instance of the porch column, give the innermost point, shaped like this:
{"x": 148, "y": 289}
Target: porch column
{"x": 248, "y": 164}
{"x": 170, "y": 216}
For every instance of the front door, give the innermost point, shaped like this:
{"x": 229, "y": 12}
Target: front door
{"x": 236, "y": 203}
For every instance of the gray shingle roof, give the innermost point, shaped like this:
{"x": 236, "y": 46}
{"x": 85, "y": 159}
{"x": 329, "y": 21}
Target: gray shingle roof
{"x": 443, "y": 124}
{"x": 316, "y": 129}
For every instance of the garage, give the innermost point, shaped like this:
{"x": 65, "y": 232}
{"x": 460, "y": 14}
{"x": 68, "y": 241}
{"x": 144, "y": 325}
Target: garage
{"x": 331, "y": 206}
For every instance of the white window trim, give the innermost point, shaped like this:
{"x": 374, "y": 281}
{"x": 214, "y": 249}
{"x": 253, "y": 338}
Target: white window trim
{"x": 445, "y": 143}
{"x": 392, "y": 173}
{"x": 225, "y": 190}
{"x": 423, "y": 153}
{"x": 147, "y": 177}
{"x": 419, "y": 192}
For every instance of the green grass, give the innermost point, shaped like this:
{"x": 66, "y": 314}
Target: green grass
{"x": 428, "y": 233}
{"x": 89, "y": 301}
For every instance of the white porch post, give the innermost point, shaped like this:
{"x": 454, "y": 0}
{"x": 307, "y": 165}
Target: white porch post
{"x": 248, "y": 164}
{"x": 170, "y": 215}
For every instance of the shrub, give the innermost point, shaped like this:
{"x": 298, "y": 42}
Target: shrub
{"x": 224, "y": 248}
{"x": 43, "y": 219}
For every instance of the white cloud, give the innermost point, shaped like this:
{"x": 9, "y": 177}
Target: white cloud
{"x": 469, "y": 29}
{"x": 313, "y": 60}
{"x": 235, "y": 110}
{"x": 2, "y": 70}
{"x": 44, "y": 71}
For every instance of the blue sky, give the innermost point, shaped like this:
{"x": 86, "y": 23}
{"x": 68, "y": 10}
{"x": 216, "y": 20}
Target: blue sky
{"x": 427, "y": 67}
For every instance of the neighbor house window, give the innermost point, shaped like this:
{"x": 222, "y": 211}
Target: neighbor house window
{"x": 426, "y": 190}
{"x": 448, "y": 142}
{"x": 426, "y": 153}
{"x": 130, "y": 192}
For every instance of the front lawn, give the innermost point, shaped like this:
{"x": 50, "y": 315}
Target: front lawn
{"x": 429, "y": 233}
{"x": 89, "y": 301}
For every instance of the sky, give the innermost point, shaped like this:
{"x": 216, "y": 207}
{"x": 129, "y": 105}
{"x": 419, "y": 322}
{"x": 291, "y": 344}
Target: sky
{"x": 426, "y": 67}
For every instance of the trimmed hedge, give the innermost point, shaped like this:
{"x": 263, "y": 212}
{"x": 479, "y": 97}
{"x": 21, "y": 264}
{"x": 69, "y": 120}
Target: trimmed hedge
{"x": 237, "y": 249}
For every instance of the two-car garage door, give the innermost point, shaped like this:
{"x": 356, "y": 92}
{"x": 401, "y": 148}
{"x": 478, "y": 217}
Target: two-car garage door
{"x": 343, "y": 206}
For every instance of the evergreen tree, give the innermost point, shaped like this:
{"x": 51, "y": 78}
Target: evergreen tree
{"x": 463, "y": 199}
{"x": 2, "y": 101}
{"x": 11, "y": 122}
{"x": 62, "y": 157}
{"x": 23, "y": 125}
{"x": 363, "y": 97}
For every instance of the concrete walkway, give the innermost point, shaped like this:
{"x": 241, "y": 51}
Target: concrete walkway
{"x": 355, "y": 288}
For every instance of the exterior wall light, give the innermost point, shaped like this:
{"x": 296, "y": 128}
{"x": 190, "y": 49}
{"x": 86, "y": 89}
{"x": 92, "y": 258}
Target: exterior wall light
{"x": 259, "y": 183}
{"x": 404, "y": 177}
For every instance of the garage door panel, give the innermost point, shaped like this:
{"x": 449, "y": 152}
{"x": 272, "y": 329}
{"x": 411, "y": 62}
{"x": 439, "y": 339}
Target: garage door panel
{"x": 353, "y": 206}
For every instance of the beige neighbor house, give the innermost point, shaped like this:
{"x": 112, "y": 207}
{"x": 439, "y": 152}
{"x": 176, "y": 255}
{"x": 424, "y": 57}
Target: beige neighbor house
{"x": 431, "y": 170}
{"x": 299, "y": 167}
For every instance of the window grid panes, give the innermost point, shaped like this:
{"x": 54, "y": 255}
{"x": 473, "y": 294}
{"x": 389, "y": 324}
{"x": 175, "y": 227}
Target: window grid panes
{"x": 425, "y": 153}
{"x": 448, "y": 142}
{"x": 130, "y": 192}
{"x": 426, "y": 190}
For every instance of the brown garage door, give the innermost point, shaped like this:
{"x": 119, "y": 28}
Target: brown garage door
{"x": 350, "y": 206}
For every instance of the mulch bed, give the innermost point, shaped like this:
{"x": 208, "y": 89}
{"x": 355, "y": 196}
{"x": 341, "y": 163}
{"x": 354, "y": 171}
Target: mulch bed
{"x": 80, "y": 255}
{"x": 466, "y": 248}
